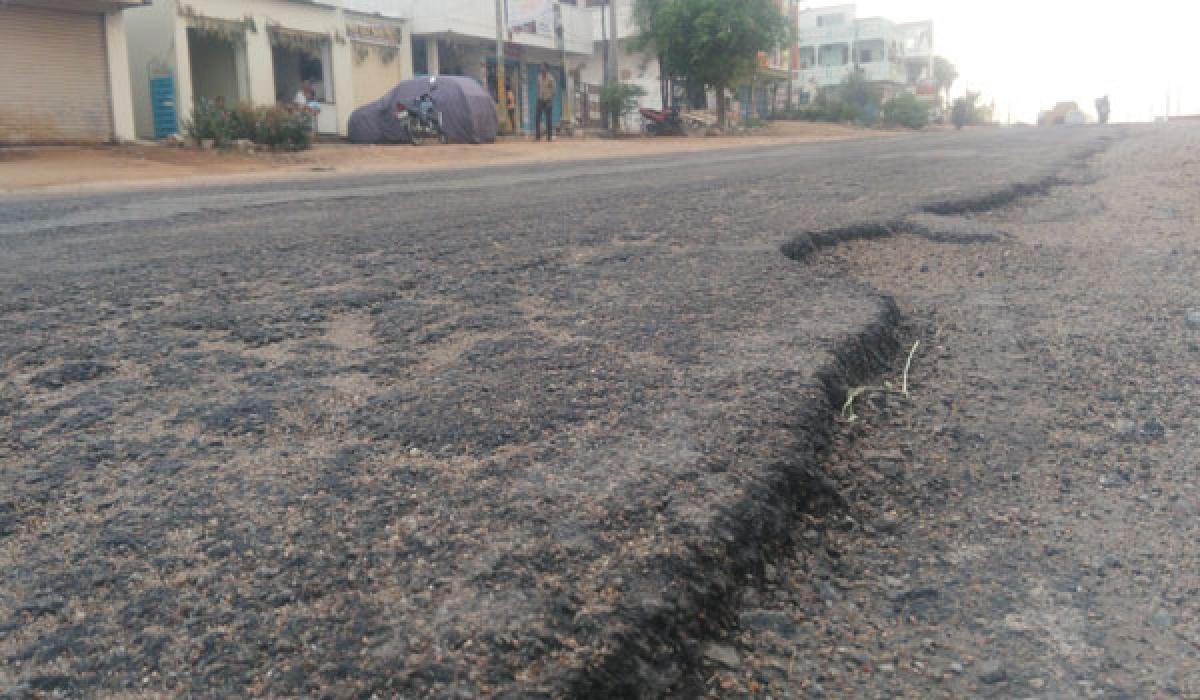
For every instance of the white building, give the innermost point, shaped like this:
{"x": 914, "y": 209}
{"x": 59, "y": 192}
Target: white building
{"x": 66, "y": 75}
{"x": 261, "y": 52}
{"x": 833, "y": 42}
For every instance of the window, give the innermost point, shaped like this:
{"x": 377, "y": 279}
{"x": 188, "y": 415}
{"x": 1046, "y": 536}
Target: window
{"x": 834, "y": 20}
{"x": 870, "y": 51}
{"x": 807, "y": 57}
{"x": 834, "y": 55}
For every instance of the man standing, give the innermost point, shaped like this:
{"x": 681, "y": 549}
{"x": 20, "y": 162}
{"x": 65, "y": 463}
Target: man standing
{"x": 547, "y": 89}
{"x": 510, "y": 99}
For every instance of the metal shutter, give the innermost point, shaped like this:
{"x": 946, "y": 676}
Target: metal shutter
{"x": 54, "y": 85}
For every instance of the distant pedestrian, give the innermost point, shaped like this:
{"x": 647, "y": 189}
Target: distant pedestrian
{"x": 547, "y": 89}
{"x": 511, "y": 102}
{"x": 1103, "y": 109}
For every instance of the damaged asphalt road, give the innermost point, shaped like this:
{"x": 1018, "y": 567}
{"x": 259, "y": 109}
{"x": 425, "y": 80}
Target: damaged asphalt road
{"x": 510, "y": 432}
{"x": 1024, "y": 524}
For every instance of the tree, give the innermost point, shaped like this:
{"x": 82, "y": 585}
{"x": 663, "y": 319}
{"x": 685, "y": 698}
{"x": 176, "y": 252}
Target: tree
{"x": 906, "y": 110}
{"x": 944, "y": 75}
{"x": 647, "y": 14}
{"x": 712, "y": 42}
{"x": 967, "y": 110}
{"x": 863, "y": 96}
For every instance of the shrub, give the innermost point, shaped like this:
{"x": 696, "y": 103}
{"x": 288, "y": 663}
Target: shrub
{"x": 208, "y": 121}
{"x": 243, "y": 122}
{"x": 907, "y": 111}
{"x": 619, "y": 99}
{"x": 284, "y": 129}
{"x": 279, "y": 127}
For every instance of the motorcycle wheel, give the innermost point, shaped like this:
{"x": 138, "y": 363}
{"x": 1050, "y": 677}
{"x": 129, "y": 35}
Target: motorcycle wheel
{"x": 651, "y": 129}
{"x": 414, "y": 131}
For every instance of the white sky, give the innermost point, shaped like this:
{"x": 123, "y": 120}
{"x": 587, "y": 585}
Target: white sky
{"x": 1030, "y": 54}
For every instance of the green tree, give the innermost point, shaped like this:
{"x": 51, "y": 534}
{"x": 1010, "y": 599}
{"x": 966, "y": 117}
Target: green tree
{"x": 906, "y": 110}
{"x": 712, "y": 42}
{"x": 862, "y": 96}
{"x": 967, "y": 110}
{"x": 944, "y": 75}
{"x": 648, "y": 15}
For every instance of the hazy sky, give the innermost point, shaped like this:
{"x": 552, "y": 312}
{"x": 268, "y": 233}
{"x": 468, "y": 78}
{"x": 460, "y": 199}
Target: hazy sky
{"x": 1029, "y": 54}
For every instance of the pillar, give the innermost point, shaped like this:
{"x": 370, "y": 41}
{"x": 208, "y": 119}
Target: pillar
{"x": 432, "y": 61}
{"x": 119, "y": 77}
{"x": 260, "y": 64}
{"x": 185, "y": 98}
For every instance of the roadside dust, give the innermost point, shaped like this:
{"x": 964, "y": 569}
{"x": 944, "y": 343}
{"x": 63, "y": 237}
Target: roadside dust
{"x": 70, "y": 169}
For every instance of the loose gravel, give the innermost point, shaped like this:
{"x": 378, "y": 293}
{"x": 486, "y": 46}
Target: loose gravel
{"x": 1025, "y": 524}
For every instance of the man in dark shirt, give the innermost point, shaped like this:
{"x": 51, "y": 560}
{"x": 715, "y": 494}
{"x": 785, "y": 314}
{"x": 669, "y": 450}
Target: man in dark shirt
{"x": 547, "y": 89}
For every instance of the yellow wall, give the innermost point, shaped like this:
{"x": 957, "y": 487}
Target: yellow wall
{"x": 372, "y": 77}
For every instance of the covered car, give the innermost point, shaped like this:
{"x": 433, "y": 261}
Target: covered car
{"x": 468, "y": 111}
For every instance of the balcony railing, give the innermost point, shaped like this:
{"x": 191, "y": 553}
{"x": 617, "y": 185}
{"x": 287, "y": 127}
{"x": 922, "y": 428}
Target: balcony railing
{"x": 836, "y": 75}
{"x": 477, "y": 18}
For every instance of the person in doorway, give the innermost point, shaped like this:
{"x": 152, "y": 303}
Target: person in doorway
{"x": 547, "y": 89}
{"x": 510, "y": 100}
{"x": 306, "y": 99}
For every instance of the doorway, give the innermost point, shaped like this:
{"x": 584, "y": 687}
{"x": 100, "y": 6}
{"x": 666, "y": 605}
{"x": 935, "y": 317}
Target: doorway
{"x": 218, "y": 68}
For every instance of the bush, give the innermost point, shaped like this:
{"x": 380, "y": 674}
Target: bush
{"x": 907, "y": 111}
{"x": 243, "y": 122}
{"x": 279, "y": 127}
{"x": 834, "y": 111}
{"x": 209, "y": 121}
{"x": 284, "y": 129}
{"x": 619, "y": 99}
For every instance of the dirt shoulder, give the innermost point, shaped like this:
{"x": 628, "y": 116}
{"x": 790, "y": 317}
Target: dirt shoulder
{"x": 97, "y": 169}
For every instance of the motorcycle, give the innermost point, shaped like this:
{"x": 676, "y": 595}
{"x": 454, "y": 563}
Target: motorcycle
{"x": 663, "y": 122}
{"x": 422, "y": 120}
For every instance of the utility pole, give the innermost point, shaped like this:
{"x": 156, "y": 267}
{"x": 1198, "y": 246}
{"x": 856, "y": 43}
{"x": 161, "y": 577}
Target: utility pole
{"x": 794, "y": 23}
{"x": 614, "y": 74}
{"x": 560, "y": 28}
{"x": 501, "y": 97}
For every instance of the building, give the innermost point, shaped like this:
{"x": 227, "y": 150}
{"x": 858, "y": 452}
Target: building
{"x": 66, "y": 76}
{"x": 768, "y": 89}
{"x": 833, "y": 42}
{"x": 380, "y": 37}
{"x": 261, "y": 52}
{"x": 458, "y": 37}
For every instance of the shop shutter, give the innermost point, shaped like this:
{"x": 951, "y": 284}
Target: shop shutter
{"x": 55, "y": 85}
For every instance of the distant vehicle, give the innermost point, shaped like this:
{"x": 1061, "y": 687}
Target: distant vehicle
{"x": 1064, "y": 113}
{"x": 667, "y": 122}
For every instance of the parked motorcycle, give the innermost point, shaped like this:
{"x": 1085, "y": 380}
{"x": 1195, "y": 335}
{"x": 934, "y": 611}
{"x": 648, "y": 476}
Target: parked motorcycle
{"x": 422, "y": 120}
{"x": 663, "y": 122}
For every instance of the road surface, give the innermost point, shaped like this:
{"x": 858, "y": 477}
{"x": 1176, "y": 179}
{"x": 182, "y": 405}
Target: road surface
{"x": 512, "y": 432}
